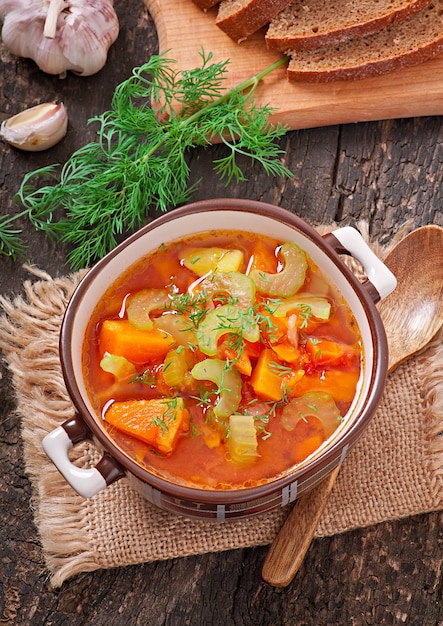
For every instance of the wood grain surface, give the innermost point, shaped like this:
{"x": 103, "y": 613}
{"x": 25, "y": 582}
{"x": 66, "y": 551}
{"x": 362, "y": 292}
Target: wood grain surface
{"x": 387, "y": 174}
{"x": 183, "y": 29}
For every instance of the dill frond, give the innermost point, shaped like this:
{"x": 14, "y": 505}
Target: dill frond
{"x": 138, "y": 161}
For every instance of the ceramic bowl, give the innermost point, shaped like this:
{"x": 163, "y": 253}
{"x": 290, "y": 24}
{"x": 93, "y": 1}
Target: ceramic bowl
{"x": 204, "y": 216}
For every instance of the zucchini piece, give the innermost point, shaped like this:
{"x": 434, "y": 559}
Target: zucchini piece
{"x": 202, "y": 261}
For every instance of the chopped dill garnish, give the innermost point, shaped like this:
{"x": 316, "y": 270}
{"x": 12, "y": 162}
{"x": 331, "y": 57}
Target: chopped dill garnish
{"x": 169, "y": 414}
{"x": 279, "y": 368}
{"x": 148, "y": 377}
{"x": 260, "y": 424}
{"x": 205, "y": 397}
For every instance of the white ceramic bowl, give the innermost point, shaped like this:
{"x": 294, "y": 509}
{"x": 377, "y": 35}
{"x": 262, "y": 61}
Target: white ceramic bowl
{"x": 204, "y": 216}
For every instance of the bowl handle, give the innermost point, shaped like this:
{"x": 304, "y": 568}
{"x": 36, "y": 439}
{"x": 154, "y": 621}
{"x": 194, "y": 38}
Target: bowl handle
{"x": 380, "y": 280}
{"x": 85, "y": 481}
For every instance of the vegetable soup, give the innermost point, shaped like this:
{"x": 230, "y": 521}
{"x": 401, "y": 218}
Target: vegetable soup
{"x": 222, "y": 360}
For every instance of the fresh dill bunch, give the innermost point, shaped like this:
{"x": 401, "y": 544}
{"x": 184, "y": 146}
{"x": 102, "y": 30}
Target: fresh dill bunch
{"x": 138, "y": 160}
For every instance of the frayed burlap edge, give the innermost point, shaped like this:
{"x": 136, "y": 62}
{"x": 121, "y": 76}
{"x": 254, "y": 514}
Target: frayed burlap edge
{"x": 31, "y": 318}
{"x": 434, "y": 414}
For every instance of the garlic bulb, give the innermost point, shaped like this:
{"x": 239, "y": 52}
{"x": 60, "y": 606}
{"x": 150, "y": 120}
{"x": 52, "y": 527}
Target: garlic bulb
{"x": 60, "y": 35}
{"x": 37, "y": 128}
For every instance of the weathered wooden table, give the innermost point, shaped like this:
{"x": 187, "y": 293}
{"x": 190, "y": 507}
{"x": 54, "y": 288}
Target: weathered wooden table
{"x": 383, "y": 172}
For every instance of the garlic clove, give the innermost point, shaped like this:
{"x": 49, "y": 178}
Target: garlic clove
{"x": 37, "y": 128}
{"x": 88, "y": 58}
{"x": 24, "y": 38}
{"x": 95, "y": 32}
{"x": 19, "y": 35}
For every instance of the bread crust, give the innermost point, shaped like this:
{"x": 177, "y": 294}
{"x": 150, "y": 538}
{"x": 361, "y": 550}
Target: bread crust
{"x": 311, "y": 40}
{"x": 249, "y": 18}
{"x": 414, "y": 41}
{"x": 368, "y": 70}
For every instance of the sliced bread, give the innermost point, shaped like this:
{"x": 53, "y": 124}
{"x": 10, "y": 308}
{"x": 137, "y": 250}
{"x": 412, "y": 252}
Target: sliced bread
{"x": 415, "y": 40}
{"x": 241, "y": 18}
{"x": 309, "y": 24}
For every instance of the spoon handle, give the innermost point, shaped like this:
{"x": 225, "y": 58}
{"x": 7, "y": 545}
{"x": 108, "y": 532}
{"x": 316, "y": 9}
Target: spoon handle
{"x": 288, "y": 550}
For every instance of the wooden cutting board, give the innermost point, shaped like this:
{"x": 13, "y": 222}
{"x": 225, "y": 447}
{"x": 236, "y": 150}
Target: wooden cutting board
{"x": 183, "y": 30}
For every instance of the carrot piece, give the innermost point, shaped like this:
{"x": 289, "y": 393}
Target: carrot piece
{"x": 309, "y": 435}
{"x": 307, "y": 447}
{"x": 290, "y": 380}
{"x": 325, "y": 352}
{"x": 339, "y": 384}
{"x": 275, "y": 329}
{"x": 240, "y": 358}
{"x": 119, "y": 337}
{"x": 211, "y": 437}
{"x": 287, "y": 352}
{"x": 253, "y": 349}
{"x": 157, "y": 422}
{"x": 242, "y": 362}
{"x": 262, "y": 258}
{"x": 266, "y": 382}
{"x": 167, "y": 270}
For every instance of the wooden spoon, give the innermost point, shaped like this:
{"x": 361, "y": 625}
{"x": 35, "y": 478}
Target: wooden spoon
{"x": 412, "y": 315}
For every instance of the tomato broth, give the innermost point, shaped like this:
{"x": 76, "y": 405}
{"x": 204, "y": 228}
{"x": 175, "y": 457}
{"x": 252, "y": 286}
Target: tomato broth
{"x": 222, "y": 360}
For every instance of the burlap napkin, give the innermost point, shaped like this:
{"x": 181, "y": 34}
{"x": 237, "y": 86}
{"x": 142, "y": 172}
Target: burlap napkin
{"x": 395, "y": 470}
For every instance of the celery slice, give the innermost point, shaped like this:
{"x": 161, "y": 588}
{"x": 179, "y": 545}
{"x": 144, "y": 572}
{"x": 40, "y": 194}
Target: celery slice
{"x": 142, "y": 303}
{"x": 176, "y": 366}
{"x": 242, "y": 442}
{"x": 122, "y": 369}
{"x": 315, "y": 404}
{"x": 318, "y": 307}
{"x": 290, "y": 279}
{"x": 179, "y": 326}
{"x": 239, "y": 286}
{"x": 222, "y": 320}
{"x": 228, "y": 381}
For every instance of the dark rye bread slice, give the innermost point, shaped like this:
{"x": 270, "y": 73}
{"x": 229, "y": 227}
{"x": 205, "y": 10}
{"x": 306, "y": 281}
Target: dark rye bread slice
{"x": 241, "y": 18}
{"x": 413, "y": 41}
{"x": 309, "y": 24}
